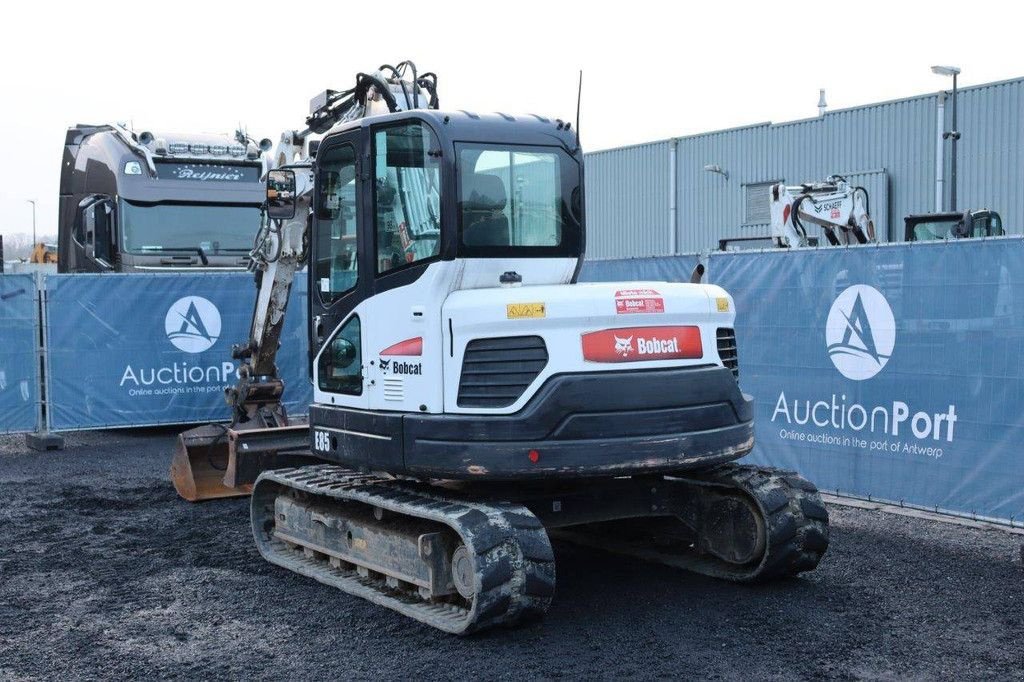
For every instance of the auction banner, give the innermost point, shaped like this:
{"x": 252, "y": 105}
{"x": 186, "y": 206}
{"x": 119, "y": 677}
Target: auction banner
{"x": 146, "y": 349}
{"x": 19, "y": 366}
{"x": 888, "y": 372}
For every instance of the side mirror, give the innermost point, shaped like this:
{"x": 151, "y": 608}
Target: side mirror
{"x": 281, "y": 194}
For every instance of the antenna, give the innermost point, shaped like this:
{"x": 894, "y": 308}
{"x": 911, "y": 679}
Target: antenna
{"x": 579, "y": 96}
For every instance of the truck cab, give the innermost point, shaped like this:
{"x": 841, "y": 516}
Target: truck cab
{"x": 144, "y": 202}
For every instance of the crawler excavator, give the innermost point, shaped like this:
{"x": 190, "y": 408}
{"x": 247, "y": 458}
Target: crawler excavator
{"x": 471, "y": 400}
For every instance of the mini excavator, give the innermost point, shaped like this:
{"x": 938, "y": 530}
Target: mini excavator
{"x": 471, "y": 399}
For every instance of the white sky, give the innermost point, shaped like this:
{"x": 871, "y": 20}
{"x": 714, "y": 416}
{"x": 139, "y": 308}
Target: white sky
{"x": 651, "y": 69}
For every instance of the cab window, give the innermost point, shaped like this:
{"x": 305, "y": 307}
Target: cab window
{"x": 341, "y": 362}
{"x": 407, "y": 195}
{"x": 336, "y": 267}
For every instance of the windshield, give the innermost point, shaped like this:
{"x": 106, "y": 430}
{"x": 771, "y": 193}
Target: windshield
{"x": 518, "y": 201}
{"x": 211, "y": 227}
{"x": 935, "y": 229}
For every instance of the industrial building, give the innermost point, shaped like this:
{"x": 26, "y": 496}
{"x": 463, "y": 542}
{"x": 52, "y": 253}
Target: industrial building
{"x": 683, "y": 194}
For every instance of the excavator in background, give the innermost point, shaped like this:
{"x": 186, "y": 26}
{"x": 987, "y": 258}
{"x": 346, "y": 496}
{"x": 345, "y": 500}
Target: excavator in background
{"x": 471, "y": 400}
{"x": 43, "y": 253}
{"x": 840, "y": 209}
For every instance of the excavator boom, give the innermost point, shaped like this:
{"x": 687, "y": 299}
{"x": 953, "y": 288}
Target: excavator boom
{"x": 840, "y": 209}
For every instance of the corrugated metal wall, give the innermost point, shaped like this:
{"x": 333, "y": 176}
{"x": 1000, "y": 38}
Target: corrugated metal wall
{"x": 990, "y": 162}
{"x": 627, "y": 201}
{"x": 889, "y": 147}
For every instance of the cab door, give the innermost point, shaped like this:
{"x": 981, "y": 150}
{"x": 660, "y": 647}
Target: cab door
{"x": 336, "y": 281}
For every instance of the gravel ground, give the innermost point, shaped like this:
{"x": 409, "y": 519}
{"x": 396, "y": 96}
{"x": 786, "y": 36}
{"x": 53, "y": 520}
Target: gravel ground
{"x": 104, "y": 573}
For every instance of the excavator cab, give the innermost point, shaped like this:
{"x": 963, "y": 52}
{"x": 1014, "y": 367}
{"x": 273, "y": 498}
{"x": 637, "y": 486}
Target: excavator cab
{"x": 952, "y": 225}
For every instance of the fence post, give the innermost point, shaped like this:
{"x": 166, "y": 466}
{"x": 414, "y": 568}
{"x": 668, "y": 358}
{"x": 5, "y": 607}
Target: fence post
{"x": 42, "y": 438}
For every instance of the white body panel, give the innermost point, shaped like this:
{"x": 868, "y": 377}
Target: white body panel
{"x": 429, "y": 382}
{"x": 414, "y": 311}
{"x": 569, "y": 312}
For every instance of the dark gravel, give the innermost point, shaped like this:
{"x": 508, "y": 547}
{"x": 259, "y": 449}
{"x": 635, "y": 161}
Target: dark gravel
{"x": 104, "y": 573}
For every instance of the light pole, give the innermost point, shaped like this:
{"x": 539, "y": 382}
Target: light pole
{"x": 953, "y": 134}
{"x": 33, "y": 202}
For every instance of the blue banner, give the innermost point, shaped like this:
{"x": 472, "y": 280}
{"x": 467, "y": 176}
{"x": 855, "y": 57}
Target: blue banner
{"x": 19, "y": 366}
{"x": 658, "y": 269}
{"x": 888, "y": 372}
{"x": 140, "y": 349}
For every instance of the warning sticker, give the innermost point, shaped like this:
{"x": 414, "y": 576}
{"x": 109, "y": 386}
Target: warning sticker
{"x": 517, "y": 311}
{"x": 629, "y": 301}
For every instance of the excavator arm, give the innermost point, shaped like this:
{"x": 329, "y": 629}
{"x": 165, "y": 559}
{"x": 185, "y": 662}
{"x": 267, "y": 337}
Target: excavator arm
{"x": 207, "y": 462}
{"x": 222, "y": 460}
{"x": 841, "y": 210}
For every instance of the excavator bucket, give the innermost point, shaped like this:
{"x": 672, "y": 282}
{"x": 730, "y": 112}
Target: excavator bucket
{"x": 217, "y": 460}
{"x": 201, "y": 459}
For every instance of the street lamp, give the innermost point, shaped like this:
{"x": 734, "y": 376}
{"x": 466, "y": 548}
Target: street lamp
{"x": 953, "y": 134}
{"x": 33, "y": 202}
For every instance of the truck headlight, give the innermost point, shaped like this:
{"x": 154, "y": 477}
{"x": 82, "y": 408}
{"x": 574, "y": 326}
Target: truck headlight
{"x": 133, "y": 168}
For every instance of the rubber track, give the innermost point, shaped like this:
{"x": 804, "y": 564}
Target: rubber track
{"x": 515, "y": 569}
{"x": 796, "y": 524}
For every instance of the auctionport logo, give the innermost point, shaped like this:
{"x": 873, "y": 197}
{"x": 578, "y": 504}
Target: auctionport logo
{"x": 192, "y": 324}
{"x": 860, "y": 332}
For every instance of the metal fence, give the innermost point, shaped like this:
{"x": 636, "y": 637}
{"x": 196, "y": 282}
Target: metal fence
{"x": 888, "y": 372}
{"x": 97, "y": 351}
{"x": 19, "y": 358}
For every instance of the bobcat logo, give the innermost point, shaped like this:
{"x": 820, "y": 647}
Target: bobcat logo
{"x": 624, "y": 346}
{"x": 384, "y": 364}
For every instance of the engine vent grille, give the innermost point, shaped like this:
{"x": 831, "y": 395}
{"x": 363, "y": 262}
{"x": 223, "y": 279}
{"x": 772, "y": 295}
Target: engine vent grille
{"x": 495, "y": 372}
{"x": 727, "y": 350}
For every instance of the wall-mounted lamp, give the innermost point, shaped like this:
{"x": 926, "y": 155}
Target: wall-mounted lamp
{"x": 715, "y": 168}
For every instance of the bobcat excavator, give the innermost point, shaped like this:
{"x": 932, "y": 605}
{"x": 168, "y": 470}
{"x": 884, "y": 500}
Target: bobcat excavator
{"x": 471, "y": 400}
{"x": 840, "y": 209}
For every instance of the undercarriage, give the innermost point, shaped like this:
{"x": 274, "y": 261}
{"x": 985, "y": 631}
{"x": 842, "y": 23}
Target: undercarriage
{"x": 467, "y": 557}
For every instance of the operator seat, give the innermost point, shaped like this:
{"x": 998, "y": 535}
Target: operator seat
{"x": 482, "y": 220}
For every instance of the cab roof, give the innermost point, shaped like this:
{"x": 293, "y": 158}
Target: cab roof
{"x": 468, "y": 126}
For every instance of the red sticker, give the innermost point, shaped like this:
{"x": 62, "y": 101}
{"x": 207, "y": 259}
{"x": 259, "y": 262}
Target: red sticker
{"x": 407, "y": 347}
{"x": 629, "y": 301}
{"x": 639, "y": 305}
{"x": 637, "y": 344}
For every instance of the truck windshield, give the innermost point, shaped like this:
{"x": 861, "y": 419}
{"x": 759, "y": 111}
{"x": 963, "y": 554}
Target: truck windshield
{"x": 518, "y": 201}
{"x": 214, "y": 228}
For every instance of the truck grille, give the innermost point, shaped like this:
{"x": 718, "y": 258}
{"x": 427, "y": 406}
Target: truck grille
{"x": 727, "y": 350}
{"x": 495, "y": 372}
